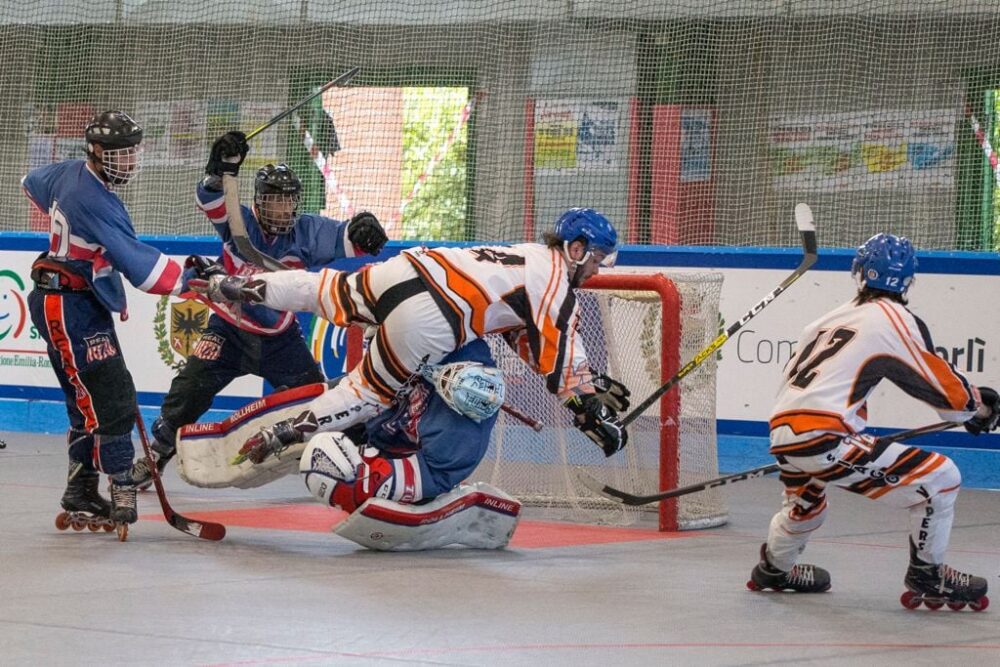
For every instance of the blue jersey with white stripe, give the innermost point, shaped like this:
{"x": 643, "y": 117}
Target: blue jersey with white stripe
{"x": 313, "y": 242}
{"x": 91, "y": 231}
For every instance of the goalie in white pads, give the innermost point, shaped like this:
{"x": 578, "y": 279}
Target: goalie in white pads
{"x": 399, "y": 474}
{"x": 821, "y": 412}
{"x": 428, "y": 303}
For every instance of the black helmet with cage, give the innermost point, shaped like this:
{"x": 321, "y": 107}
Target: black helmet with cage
{"x": 277, "y": 192}
{"x": 119, "y": 137}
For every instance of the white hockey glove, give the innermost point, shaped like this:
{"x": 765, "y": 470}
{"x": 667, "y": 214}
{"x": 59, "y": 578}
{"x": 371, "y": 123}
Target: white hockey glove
{"x": 235, "y": 289}
{"x": 598, "y": 422}
{"x": 277, "y": 438}
{"x": 611, "y": 392}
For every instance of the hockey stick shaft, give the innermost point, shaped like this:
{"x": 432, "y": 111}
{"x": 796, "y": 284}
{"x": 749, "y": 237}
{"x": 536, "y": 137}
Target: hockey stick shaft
{"x": 807, "y": 231}
{"x": 633, "y": 499}
{"x": 520, "y": 416}
{"x": 339, "y": 81}
{"x": 206, "y": 530}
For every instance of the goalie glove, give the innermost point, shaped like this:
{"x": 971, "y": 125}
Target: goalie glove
{"x": 986, "y": 418}
{"x": 228, "y": 152}
{"x": 203, "y": 267}
{"x": 365, "y": 233}
{"x": 277, "y": 438}
{"x": 611, "y": 392}
{"x": 234, "y": 289}
{"x": 598, "y": 422}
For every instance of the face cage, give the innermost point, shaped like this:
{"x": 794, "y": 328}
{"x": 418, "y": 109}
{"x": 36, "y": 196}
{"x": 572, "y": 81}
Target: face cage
{"x": 121, "y": 165}
{"x": 274, "y": 214}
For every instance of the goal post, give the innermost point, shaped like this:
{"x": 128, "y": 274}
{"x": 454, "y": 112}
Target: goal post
{"x": 638, "y": 328}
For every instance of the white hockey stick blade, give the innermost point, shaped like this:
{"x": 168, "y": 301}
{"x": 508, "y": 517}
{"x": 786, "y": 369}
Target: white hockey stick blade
{"x": 804, "y": 218}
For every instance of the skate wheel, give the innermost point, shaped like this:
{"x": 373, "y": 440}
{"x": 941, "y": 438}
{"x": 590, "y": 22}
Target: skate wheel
{"x": 122, "y": 530}
{"x": 956, "y": 606}
{"x": 62, "y": 520}
{"x": 77, "y": 523}
{"x": 980, "y": 605}
{"x": 109, "y": 527}
{"x": 909, "y": 600}
{"x": 933, "y": 605}
{"x": 93, "y": 526}
{"x": 752, "y": 585}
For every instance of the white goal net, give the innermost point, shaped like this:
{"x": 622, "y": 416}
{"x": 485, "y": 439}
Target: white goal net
{"x": 639, "y": 329}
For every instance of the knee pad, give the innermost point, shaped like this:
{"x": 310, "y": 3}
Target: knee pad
{"x": 113, "y": 454}
{"x": 113, "y": 394}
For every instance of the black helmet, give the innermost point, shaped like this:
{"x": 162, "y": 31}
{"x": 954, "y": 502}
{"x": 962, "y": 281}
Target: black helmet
{"x": 113, "y": 129}
{"x": 119, "y": 137}
{"x": 277, "y": 192}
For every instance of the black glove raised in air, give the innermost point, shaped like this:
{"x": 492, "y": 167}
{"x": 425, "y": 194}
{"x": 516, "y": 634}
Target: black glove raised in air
{"x": 985, "y": 424}
{"x": 598, "y": 422}
{"x": 227, "y": 154}
{"x": 204, "y": 268}
{"x": 366, "y": 234}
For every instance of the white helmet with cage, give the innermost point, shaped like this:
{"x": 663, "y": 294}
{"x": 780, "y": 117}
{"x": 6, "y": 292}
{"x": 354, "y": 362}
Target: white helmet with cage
{"x": 469, "y": 388}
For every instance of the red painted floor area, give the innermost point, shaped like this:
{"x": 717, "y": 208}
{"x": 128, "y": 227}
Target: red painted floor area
{"x": 529, "y": 535}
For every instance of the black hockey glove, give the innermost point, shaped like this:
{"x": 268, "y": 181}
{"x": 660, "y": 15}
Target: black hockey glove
{"x": 227, "y": 154}
{"x": 204, "y": 268}
{"x": 276, "y": 439}
{"x": 234, "y": 289}
{"x": 366, "y": 234}
{"x": 598, "y": 422}
{"x": 611, "y": 392}
{"x": 985, "y": 424}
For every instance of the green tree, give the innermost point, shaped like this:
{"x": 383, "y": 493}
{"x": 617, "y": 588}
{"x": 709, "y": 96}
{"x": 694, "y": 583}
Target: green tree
{"x": 437, "y": 211}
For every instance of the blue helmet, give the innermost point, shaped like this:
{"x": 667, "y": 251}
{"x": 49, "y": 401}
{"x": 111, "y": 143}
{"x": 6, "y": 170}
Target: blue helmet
{"x": 594, "y": 227}
{"x": 885, "y": 262}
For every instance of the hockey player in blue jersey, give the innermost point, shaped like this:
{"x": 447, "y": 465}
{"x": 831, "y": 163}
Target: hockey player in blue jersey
{"x": 256, "y": 339}
{"x": 78, "y": 285}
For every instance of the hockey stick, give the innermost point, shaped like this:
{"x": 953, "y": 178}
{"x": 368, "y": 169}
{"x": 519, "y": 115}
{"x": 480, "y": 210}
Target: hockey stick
{"x": 520, "y": 416}
{"x": 339, "y": 81}
{"x": 231, "y": 191}
{"x": 807, "y": 232}
{"x": 625, "y": 498}
{"x": 205, "y": 530}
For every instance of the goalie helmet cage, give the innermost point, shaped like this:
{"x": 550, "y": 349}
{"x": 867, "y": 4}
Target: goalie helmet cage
{"x": 638, "y": 328}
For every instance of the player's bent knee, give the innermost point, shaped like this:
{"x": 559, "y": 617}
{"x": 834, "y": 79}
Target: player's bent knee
{"x": 947, "y": 478}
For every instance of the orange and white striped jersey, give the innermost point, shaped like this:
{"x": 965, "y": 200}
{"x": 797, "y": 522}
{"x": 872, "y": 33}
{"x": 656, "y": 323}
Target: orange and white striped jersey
{"x": 839, "y": 361}
{"x": 521, "y": 290}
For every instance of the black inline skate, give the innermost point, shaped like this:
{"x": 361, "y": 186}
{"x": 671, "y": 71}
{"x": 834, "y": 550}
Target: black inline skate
{"x": 84, "y": 506}
{"x": 123, "y": 505}
{"x": 802, "y": 578}
{"x": 937, "y": 585}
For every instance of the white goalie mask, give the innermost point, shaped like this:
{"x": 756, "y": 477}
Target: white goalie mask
{"x": 469, "y": 388}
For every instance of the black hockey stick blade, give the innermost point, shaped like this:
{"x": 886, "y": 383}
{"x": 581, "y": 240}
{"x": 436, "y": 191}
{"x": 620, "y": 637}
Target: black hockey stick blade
{"x": 341, "y": 80}
{"x": 807, "y": 234}
{"x": 206, "y": 530}
{"x": 626, "y": 498}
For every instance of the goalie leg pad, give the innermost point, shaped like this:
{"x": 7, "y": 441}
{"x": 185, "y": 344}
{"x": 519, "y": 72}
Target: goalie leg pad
{"x": 477, "y": 516}
{"x": 205, "y": 451}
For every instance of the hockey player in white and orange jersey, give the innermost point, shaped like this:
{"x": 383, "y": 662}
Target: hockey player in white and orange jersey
{"x": 426, "y": 303}
{"x": 818, "y": 423}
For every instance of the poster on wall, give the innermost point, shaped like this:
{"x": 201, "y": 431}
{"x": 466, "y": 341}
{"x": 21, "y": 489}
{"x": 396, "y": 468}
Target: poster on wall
{"x": 839, "y": 152}
{"x": 573, "y": 136}
{"x": 696, "y": 145}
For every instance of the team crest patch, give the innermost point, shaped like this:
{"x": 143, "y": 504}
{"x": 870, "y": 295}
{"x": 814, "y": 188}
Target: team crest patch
{"x": 100, "y": 347}
{"x": 208, "y": 347}
{"x": 188, "y": 318}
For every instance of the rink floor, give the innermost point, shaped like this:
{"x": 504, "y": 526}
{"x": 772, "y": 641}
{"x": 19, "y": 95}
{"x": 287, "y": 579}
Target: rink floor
{"x": 281, "y": 590}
